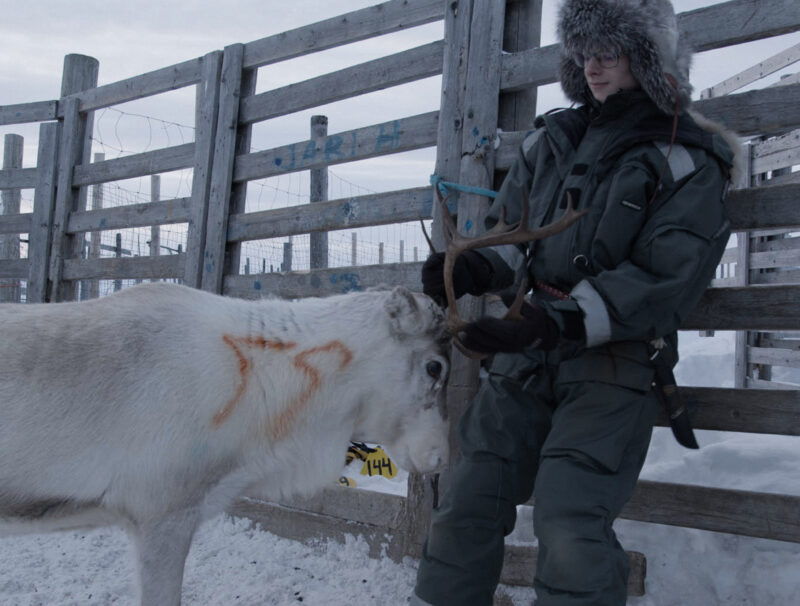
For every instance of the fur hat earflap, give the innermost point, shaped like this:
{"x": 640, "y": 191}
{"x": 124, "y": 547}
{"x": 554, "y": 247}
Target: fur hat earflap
{"x": 644, "y": 30}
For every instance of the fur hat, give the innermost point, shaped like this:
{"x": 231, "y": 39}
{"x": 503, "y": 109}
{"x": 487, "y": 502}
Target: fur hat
{"x": 644, "y": 30}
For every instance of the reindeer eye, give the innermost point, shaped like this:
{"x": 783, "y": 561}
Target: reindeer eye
{"x": 434, "y": 369}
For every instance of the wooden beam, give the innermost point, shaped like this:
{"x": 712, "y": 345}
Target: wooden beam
{"x": 342, "y": 29}
{"x": 15, "y": 224}
{"x": 715, "y": 26}
{"x": 767, "y": 307}
{"x": 768, "y": 111}
{"x": 401, "y": 135}
{"x": 21, "y": 113}
{"x": 406, "y": 66}
{"x": 164, "y": 212}
{"x": 125, "y": 268}
{"x": 153, "y": 162}
{"x": 323, "y": 282}
{"x": 745, "y": 513}
{"x": 743, "y": 410}
{"x": 17, "y": 178}
{"x": 360, "y": 211}
{"x": 144, "y": 85}
{"x": 519, "y": 564}
{"x": 764, "y": 68}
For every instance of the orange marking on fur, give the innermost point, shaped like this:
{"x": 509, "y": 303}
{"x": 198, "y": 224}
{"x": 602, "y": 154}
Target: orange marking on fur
{"x": 244, "y": 368}
{"x": 280, "y": 427}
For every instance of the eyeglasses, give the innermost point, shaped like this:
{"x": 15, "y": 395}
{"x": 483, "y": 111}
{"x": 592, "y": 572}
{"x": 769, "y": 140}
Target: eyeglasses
{"x": 606, "y": 59}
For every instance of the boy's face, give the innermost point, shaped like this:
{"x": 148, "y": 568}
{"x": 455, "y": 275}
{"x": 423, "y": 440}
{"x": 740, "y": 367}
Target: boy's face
{"x": 605, "y": 76}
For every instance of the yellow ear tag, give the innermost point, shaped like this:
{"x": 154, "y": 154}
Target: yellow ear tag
{"x": 345, "y": 481}
{"x": 378, "y": 463}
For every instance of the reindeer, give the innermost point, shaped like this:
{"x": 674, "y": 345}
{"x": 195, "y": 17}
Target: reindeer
{"x": 153, "y": 408}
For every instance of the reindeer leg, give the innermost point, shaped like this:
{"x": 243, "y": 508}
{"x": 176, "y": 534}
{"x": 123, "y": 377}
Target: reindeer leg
{"x": 161, "y": 548}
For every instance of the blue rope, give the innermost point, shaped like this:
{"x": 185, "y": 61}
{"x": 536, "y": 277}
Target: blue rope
{"x": 443, "y": 186}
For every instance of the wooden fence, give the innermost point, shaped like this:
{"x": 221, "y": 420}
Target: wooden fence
{"x": 491, "y": 65}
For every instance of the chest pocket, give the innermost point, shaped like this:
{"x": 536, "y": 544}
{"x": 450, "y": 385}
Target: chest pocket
{"x": 624, "y": 212}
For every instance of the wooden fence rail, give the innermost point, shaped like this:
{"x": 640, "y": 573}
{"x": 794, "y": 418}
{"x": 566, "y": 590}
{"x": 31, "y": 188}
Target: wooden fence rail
{"x": 486, "y": 89}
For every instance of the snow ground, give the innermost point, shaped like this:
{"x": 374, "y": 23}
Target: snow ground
{"x": 233, "y": 563}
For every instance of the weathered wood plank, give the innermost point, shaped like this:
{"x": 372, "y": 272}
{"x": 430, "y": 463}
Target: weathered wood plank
{"x": 784, "y": 276}
{"x": 308, "y": 527}
{"x": 747, "y": 308}
{"x": 177, "y": 210}
{"x": 364, "y": 506}
{"x": 343, "y": 29}
{"x": 519, "y": 564}
{"x": 372, "y": 141}
{"x": 222, "y": 169}
{"x": 360, "y": 211}
{"x": 752, "y": 74}
{"x": 738, "y": 21}
{"x": 336, "y": 512}
{"x": 774, "y": 259}
{"x": 744, "y": 410}
{"x": 323, "y": 282}
{"x": 39, "y": 111}
{"x": 760, "y": 112}
{"x": 715, "y": 26}
{"x": 750, "y": 514}
{"x": 764, "y": 207}
{"x": 406, "y": 66}
{"x": 136, "y": 165}
{"x": 44, "y": 198}
{"x": 125, "y": 268}
{"x": 14, "y": 269}
{"x": 790, "y": 242}
{"x": 206, "y": 112}
{"x": 15, "y": 224}
{"x": 152, "y": 83}
{"x": 17, "y": 178}
{"x": 775, "y": 357}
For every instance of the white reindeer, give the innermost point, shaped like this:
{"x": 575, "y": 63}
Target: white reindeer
{"x": 155, "y": 407}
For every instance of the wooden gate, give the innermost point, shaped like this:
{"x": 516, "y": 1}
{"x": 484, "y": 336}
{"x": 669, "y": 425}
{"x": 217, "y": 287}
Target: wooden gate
{"x": 491, "y": 65}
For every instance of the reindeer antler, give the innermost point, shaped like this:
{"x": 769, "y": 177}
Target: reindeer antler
{"x": 501, "y": 233}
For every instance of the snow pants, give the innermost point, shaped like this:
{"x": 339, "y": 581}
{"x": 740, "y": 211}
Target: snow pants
{"x": 570, "y": 427}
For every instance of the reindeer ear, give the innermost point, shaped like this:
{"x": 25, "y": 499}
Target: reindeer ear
{"x": 405, "y": 317}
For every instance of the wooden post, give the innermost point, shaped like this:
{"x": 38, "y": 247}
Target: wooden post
{"x": 319, "y": 193}
{"x": 238, "y": 203}
{"x": 206, "y": 111}
{"x": 287, "y": 257}
{"x": 523, "y": 28}
{"x": 11, "y": 290}
{"x": 230, "y": 85}
{"x": 118, "y": 255}
{"x": 80, "y": 73}
{"x": 155, "y": 230}
{"x": 740, "y": 371}
{"x": 354, "y": 249}
{"x": 44, "y": 198}
{"x": 95, "y": 236}
{"x": 468, "y": 120}
{"x": 380, "y": 253}
{"x": 402, "y": 251}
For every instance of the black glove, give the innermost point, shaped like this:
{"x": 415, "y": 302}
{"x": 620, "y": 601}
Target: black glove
{"x": 540, "y": 327}
{"x": 472, "y": 274}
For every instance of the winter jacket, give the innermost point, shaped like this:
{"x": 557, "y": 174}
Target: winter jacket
{"x": 639, "y": 260}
